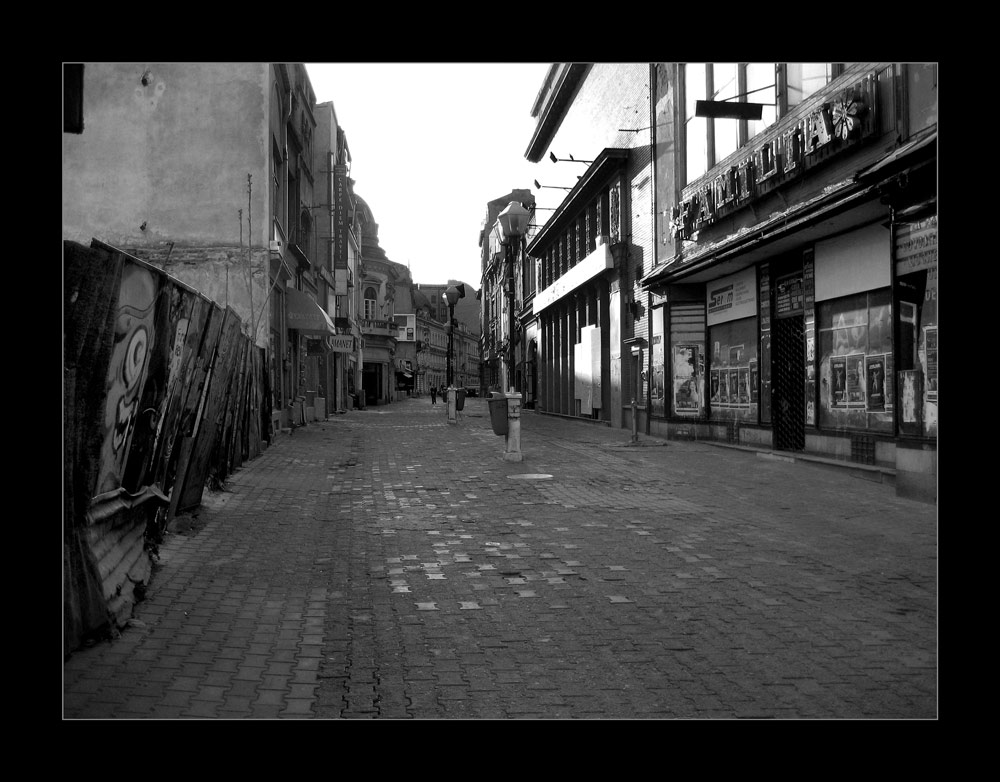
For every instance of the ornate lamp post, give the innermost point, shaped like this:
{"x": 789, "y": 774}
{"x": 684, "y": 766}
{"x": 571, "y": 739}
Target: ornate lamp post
{"x": 513, "y": 224}
{"x": 452, "y": 295}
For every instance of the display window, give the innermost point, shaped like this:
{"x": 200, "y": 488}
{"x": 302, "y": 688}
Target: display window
{"x": 734, "y": 370}
{"x": 855, "y": 361}
{"x": 658, "y": 389}
{"x": 916, "y": 380}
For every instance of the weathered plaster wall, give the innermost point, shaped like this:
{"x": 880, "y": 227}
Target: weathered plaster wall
{"x": 161, "y": 170}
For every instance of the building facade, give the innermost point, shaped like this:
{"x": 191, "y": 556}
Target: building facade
{"x": 793, "y": 300}
{"x": 502, "y": 299}
{"x": 135, "y": 177}
{"x": 339, "y": 248}
{"x": 384, "y": 286}
{"x": 431, "y": 308}
{"x": 590, "y": 340}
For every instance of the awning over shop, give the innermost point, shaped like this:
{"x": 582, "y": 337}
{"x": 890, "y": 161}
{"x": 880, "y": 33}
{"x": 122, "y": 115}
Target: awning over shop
{"x": 304, "y": 314}
{"x": 904, "y": 155}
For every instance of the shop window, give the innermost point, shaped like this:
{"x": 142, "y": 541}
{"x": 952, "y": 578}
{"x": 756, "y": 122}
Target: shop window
{"x": 778, "y": 86}
{"x": 802, "y": 79}
{"x": 856, "y": 362}
{"x": 734, "y": 376}
{"x": 917, "y": 353}
{"x": 921, "y": 88}
{"x": 709, "y": 141}
{"x": 657, "y": 387}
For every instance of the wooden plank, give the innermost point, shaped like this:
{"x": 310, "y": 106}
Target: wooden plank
{"x": 168, "y": 312}
{"x": 212, "y": 413}
{"x": 202, "y": 342}
{"x": 197, "y": 312}
{"x": 222, "y": 454}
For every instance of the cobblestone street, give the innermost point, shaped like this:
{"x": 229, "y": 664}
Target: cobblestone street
{"x": 386, "y": 564}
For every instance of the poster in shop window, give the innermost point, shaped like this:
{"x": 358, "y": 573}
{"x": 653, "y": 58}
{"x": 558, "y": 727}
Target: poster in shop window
{"x": 734, "y": 386}
{"x": 931, "y": 376}
{"x": 724, "y": 386}
{"x": 838, "y": 381}
{"x": 716, "y": 390}
{"x": 744, "y": 374}
{"x": 754, "y": 381}
{"x": 685, "y": 379}
{"x": 855, "y": 379}
{"x": 875, "y": 371}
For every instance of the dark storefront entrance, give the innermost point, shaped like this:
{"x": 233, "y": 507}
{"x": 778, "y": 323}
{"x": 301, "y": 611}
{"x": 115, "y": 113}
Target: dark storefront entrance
{"x": 787, "y": 371}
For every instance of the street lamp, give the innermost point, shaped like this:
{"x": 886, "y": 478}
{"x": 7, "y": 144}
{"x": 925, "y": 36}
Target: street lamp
{"x": 513, "y": 224}
{"x": 452, "y": 295}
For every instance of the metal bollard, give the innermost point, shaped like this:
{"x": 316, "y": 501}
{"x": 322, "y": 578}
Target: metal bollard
{"x": 635, "y": 422}
{"x": 451, "y": 405}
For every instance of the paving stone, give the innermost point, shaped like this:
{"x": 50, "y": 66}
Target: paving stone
{"x": 756, "y": 589}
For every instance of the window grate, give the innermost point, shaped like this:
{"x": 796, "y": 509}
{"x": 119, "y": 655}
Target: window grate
{"x": 863, "y": 448}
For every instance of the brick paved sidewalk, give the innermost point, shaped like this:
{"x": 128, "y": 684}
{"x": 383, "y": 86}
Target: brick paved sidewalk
{"x": 385, "y": 564}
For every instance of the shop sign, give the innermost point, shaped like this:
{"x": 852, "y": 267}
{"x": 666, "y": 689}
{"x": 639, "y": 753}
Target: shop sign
{"x": 789, "y": 297}
{"x": 732, "y": 297}
{"x": 341, "y": 343}
{"x": 916, "y": 245}
{"x": 831, "y": 128}
{"x": 340, "y": 217}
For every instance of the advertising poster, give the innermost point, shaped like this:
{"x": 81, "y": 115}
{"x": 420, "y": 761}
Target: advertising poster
{"x": 855, "y": 379}
{"x": 909, "y": 380}
{"x": 734, "y": 386}
{"x": 754, "y": 382}
{"x": 930, "y": 346}
{"x": 744, "y": 375}
{"x": 716, "y": 391}
{"x": 838, "y": 381}
{"x": 685, "y": 379}
{"x": 724, "y": 386}
{"x": 875, "y": 373}
{"x": 890, "y": 387}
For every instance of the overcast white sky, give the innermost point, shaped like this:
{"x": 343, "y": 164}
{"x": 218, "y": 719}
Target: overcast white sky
{"x": 430, "y": 144}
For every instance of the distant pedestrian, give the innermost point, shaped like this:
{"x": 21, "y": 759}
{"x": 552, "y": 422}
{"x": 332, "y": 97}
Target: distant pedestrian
{"x": 434, "y": 395}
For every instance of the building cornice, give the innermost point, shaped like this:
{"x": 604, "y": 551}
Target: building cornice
{"x": 567, "y": 78}
{"x": 598, "y": 174}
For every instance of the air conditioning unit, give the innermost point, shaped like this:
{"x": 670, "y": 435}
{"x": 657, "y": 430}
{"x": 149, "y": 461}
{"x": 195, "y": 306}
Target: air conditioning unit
{"x": 275, "y": 246}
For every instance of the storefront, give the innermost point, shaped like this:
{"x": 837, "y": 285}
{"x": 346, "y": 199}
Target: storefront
{"x": 309, "y": 326}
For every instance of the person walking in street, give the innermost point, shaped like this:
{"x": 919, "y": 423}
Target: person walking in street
{"x": 434, "y": 395}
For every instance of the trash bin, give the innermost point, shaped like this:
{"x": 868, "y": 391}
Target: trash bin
{"x": 498, "y": 412}
{"x": 459, "y": 399}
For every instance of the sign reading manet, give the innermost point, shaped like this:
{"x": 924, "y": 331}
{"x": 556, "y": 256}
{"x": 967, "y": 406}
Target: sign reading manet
{"x": 341, "y": 343}
{"x": 732, "y": 297}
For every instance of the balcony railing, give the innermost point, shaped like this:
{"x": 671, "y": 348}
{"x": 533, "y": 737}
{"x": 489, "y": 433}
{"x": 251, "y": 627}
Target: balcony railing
{"x": 379, "y": 328}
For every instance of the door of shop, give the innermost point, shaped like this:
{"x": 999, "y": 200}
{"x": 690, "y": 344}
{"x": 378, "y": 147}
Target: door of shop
{"x": 787, "y": 386}
{"x": 372, "y": 382}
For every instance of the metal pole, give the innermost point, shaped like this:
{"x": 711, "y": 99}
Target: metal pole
{"x": 451, "y": 338}
{"x": 510, "y": 308}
